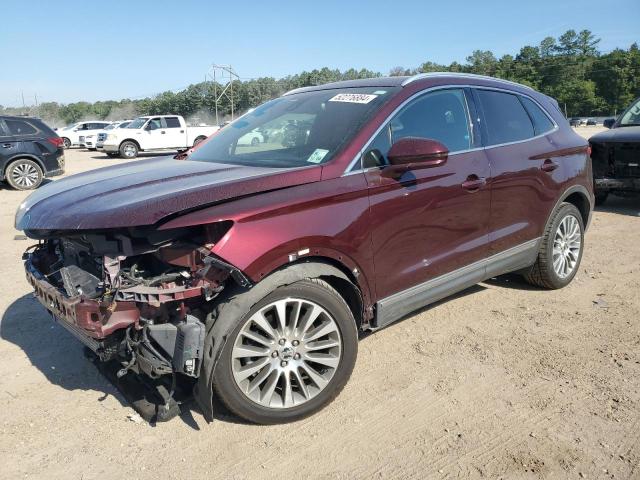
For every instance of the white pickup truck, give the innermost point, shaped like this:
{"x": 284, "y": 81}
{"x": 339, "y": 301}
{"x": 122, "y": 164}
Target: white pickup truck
{"x": 154, "y": 133}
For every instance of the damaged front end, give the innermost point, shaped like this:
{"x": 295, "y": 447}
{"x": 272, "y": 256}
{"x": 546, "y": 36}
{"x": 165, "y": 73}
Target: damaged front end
{"x": 136, "y": 297}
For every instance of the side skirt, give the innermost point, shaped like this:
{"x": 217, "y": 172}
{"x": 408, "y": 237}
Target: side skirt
{"x": 396, "y": 306}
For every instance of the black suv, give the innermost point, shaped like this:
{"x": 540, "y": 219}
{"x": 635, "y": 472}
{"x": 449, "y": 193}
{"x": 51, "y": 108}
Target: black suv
{"x": 29, "y": 151}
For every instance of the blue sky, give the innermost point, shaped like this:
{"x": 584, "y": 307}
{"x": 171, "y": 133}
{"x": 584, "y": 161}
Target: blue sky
{"x": 70, "y": 50}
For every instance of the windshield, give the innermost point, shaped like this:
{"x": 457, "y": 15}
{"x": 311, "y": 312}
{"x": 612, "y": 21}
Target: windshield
{"x": 110, "y": 127}
{"x": 296, "y": 130}
{"x": 632, "y": 116}
{"x": 137, "y": 123}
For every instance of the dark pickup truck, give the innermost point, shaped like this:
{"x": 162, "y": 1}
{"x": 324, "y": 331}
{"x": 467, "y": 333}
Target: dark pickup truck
{"x": 616, "y": 155}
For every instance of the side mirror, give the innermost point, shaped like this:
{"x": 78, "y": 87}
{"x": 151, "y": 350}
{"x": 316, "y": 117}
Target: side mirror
{"x": 412, "y": 153}
{"x": 608, "y": 123}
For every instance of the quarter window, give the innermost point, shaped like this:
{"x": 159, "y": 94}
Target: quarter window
{"x": 541, "y": 122}
{"x": 440, "y": 115}
{"x": 505, "y": 118}
{"x": 19, "y": 127}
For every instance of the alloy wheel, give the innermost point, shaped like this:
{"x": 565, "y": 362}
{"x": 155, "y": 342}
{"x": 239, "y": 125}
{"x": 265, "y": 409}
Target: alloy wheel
{"x": 567, "y": 243}
{"x": 286, "y": 353}
{"x": 25, "y": 175}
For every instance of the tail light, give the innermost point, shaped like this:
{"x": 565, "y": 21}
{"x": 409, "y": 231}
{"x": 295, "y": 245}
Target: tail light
{"x": 57, "y": 141}
{"x": 589, "y": 150}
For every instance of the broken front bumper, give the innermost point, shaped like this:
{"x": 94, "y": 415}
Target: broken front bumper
{"x": 89, "y": 320}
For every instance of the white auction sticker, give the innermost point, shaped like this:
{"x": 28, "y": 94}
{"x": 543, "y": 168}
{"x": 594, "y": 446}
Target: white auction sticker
{"x": 353, "y": 98}
{"x": 317, "y": 155}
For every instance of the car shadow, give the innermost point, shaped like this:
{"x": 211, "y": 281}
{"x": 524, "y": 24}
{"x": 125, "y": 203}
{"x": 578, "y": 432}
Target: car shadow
{"x": 621, "y": 205}
{"x": 61, "y": 358}
{"x": 511, "y": 280}
{"x": 6, "y": 186}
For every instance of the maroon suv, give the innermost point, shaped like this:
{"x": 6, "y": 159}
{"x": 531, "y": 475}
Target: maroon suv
{"x": 246, "y": 270}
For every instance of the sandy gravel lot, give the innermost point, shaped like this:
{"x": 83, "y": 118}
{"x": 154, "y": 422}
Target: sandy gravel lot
{"x": 501, "y": 381}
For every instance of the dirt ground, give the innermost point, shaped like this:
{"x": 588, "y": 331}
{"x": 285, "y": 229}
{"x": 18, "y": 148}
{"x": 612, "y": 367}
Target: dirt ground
{"x": 500, "y": 381}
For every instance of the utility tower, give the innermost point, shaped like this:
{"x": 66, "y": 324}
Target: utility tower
{"x": 225, "y": 75}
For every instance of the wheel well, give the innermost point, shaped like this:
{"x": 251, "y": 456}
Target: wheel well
{"x": 581, "y": 202}
{"x": 346, "y": 285}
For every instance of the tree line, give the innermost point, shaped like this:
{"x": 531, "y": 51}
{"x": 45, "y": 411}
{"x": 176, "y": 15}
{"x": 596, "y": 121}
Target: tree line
{"x": 571, "y": 68}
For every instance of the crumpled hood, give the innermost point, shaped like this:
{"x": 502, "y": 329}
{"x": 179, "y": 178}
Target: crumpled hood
{"x": 617, "y": 135}
{"x": 143, "y": 192}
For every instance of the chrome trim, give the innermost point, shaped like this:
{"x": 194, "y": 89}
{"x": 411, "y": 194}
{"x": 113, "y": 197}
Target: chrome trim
{"x": 397, "y": 305}
{"x": 420, "y": 76}
{"x": 352, "y": 164}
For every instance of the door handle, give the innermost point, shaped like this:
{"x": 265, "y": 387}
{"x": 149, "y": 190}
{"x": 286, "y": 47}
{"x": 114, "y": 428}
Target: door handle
{"x": 163, "y": 132}
{"x": 548, "y": 166}
{"x": 7, "y": 145}
{"x": 181, "y": 131}
{"x": 473, "y": 183}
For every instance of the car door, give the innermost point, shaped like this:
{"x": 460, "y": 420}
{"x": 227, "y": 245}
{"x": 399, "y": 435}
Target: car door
{"x": 430, "y": 222}
{"x": 152, "y": 136}
{"x": 524, "y": 176}
{"x": 175, "y": 133}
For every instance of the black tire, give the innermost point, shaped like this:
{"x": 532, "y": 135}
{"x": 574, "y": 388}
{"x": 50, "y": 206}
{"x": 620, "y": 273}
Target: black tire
{"x": 255, "y": 141}
{"x": 601, "y": 197}
{"x": 227, "y": 390}
{"x": 24, "y": 174}
{"x": 129, "y": 149}
{"x": 66, "y": 142}
{"x": 198, "y": 140}
{"x": 542, "y": 274}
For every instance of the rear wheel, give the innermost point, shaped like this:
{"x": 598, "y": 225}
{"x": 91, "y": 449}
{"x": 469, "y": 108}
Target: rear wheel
{"x": 66, "y": 142}
{"x": 128, "y": 149}
{"x": 560, "y": 250}
{"x": 289, "y": 356}
{"x": 255, "y": 141}
{"x": 24, "y": 174}
{"x": 198, "y": 140}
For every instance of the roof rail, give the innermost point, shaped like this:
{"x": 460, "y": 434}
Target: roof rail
{"x": 420, "y": 76}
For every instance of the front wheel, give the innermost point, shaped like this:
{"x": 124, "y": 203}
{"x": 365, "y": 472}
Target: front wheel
{"x": 289, "y": 356}
{"x": 128, "y": 149}
{"x": 560, "y": 250}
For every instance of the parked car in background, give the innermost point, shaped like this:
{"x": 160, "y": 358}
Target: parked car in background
{"x": 574, "y": 122}
{"x": 92, "y": 140}
{"x": 251, "y": 138}
{"x": 74, "y": 135}
{"x": 592, "y": 122}
{"x": 29, "y": 152}
{"x": 248, "y": 273}
{"x": 154, "y": 134}
{"x": 615, "y": 155}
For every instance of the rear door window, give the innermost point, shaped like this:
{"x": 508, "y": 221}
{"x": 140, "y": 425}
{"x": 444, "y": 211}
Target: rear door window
{"x": 541, "y": 121}
{"x": 172, "y": 122}
{"x": 20, "y": 127}
{"x": 505, "y": 118}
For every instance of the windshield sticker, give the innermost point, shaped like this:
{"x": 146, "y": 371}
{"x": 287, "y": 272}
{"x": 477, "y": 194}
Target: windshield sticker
{"x": 317, "y": 155}
{"x": 353, "y": 98}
